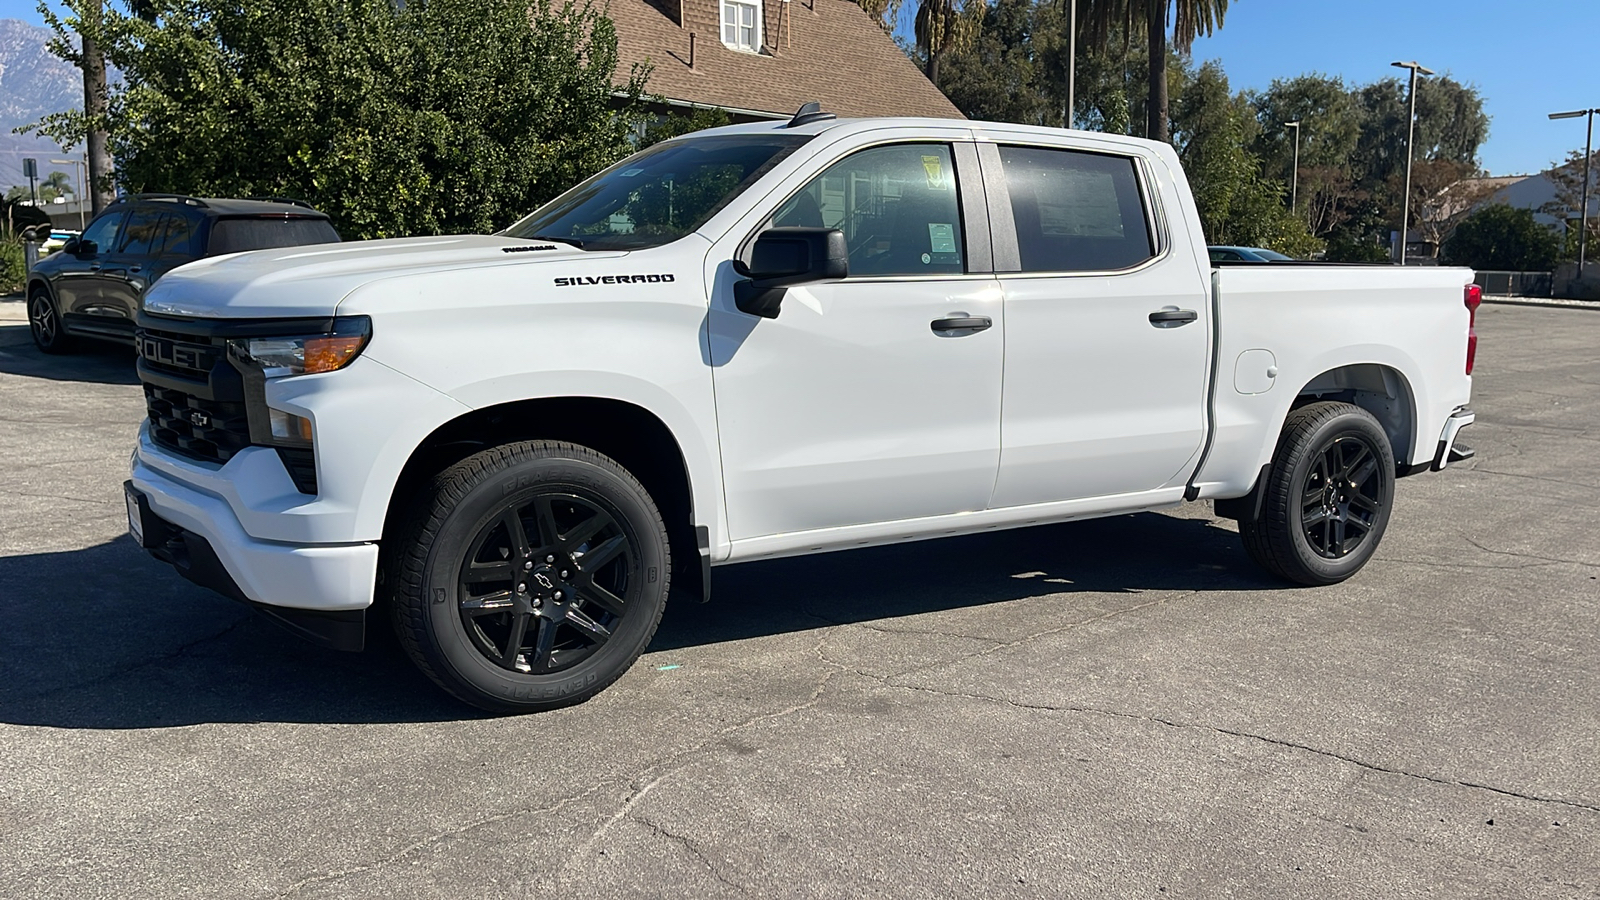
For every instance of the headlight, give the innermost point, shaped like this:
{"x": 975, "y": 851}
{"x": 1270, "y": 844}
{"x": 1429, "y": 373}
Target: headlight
{"x": 307, "y": 354}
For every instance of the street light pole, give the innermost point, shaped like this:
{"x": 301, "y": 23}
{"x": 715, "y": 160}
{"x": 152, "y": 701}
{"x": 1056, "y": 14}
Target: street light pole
{"x": 83, "y": 168}
{"x": 1294, "y": 177}
{"x": 1411, "y": 133}
{"x": 1072, "y": 60}
{"x": 1583, "y": 209}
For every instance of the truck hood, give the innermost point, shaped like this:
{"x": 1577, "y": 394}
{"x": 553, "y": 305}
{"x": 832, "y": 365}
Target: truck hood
{"x": 311, "y": 280}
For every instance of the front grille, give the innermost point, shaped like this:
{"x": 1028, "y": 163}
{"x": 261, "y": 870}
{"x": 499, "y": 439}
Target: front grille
{"x": 210, "y": 430}
{"x": 185, "y": 355}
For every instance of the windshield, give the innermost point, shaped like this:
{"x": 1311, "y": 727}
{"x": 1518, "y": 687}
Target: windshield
{"x": 1273, "y": 255}
{"x": 660, "y": 194}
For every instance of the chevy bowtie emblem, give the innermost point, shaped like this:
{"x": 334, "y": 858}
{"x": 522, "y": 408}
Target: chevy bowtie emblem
{"x": 544, "y": 580}
{"x": 199, "y": 419}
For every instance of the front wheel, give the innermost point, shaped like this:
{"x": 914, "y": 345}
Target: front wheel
{"x": 44, "y": 323}
{"x": 530, "y": 576}
{"x": 1329, "y": 494}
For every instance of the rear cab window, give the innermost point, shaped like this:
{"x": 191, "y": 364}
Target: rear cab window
{"x": 240, "y": 233}
{"x": 1076, "y": 211}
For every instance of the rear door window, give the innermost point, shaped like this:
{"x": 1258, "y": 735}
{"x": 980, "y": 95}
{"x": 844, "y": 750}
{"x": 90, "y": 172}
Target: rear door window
{"x": 1076, "y": 211}
{"x": 143, "y": 231}
{"x": 238, "y": 235}
{"x": 180, "y": 235}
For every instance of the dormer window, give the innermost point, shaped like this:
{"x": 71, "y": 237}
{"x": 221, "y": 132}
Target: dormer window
{"x": 741, "y": 25}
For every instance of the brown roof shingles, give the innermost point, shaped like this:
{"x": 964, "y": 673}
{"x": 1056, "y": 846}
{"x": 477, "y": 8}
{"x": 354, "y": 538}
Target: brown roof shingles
{"x": 825, "y": 50}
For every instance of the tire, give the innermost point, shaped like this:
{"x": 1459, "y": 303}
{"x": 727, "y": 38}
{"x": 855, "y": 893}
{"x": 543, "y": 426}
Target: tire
{"x": 1329, "y": 495}
{"x": 519, "y": 622}
{"x": 44, "y": 323}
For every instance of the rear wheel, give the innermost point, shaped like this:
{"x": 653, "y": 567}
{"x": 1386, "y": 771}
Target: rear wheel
{"x": 531, "y": 576}
{"x": 44, "y": 323}
{"x": 1329, "y": 494}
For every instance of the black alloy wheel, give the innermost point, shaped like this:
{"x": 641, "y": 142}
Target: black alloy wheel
{"x": 1342, "y": 496}
{"x": 543, "y": 586}
{"x": 1327, "y": 497}
{"x": 45, "y": 325}
{"x": 529, "y": 576}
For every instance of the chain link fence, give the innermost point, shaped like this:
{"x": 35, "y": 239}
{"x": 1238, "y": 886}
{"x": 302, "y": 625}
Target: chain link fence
{"x": 1516, "y": 284}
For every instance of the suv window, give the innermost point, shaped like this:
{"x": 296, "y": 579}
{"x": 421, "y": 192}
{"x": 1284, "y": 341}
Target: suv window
{"x": 897, "y": 208}
{"x": 143, "y": 231}
{"x": 103, "y": 231}
{"x": 180, "y": 235}
{"x": 1075, "y": 211}
{"x": 238, "y": 235}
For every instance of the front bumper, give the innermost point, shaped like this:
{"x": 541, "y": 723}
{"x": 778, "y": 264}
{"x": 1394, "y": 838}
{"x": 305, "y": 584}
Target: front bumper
{"x": 195, "y": 559}
{"x": 319, "y": 577}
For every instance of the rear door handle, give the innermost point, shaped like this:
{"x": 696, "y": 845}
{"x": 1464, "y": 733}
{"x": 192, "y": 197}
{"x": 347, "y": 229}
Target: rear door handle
{"x": 961, "y": 323}
{"x": 1172, "y": 318}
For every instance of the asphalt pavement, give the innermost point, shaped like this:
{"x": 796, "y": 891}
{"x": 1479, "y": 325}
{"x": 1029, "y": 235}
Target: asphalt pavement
{"x": 1119, "y": 708}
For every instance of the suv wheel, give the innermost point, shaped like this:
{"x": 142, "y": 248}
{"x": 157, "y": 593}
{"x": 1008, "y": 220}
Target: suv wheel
{"x": 45, "y": 324}
{"x": 530, "y": 576}
{"x": 1329, "y": 494}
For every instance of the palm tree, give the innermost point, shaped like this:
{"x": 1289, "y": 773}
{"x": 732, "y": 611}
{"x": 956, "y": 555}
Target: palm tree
{"x": 940, "y": 27}
{"x": 1191, "y": 19}
{"x": 57, "y": 183}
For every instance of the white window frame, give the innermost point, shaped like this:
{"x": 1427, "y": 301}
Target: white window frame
{"x": 756, "y": 13}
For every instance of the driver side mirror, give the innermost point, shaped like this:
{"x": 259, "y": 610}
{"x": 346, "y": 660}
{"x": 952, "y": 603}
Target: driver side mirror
{"x": 783, "y": 257}
{"x": 80, "y": 247}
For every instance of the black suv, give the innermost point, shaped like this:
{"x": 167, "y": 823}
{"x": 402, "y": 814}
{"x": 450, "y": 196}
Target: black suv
{"x": 93, "y": 286}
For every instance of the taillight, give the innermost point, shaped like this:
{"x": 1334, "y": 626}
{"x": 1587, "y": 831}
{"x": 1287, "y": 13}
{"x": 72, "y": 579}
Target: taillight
{"x": 1474, "y": 297}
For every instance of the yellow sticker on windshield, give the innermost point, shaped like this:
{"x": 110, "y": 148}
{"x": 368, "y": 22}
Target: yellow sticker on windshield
{"x": 934, "y": 166}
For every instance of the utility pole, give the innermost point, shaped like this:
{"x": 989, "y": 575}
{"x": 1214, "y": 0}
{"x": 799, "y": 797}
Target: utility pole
{"x": 1072, "y": 61}
{"x": 1583, "y": 209}
{"x": 1294, "y": 178}
{"x": 95, "y": 94}
{"x": 1411, "y": 133}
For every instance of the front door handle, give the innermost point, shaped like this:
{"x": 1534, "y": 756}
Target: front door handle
{"x": 1172, "y": 317}
{"x": 964, "y": 324}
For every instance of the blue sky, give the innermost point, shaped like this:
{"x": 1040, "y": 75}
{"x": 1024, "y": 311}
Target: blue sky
{"x": 1527, "y": 58}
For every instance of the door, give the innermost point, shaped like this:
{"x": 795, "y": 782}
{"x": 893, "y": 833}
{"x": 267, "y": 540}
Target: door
{"x": 1107, "y": 335}
{"x": 875, "y": 398}
{"x": 128, "y": 271}
{"x": 80, "y": 290}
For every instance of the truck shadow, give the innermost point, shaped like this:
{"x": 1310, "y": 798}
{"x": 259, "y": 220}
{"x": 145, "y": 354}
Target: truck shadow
{"x": 106, "y": 637}
{"x": 96, "y": 362}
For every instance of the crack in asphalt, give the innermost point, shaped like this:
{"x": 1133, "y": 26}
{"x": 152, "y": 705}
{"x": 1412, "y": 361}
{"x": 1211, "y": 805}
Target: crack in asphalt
{"x": 176, "y": 653}
{"x": 1482, "y": 471}
{"x": 677, "y": 762}
{"x": 16, "y": 493}
{"x": 1156, "y": 720}
{"x": 1166, "y": 598}
{"x": 693, "y": 848}
{"x": 324, "y": 877}
{"x": 1521, "y": 555}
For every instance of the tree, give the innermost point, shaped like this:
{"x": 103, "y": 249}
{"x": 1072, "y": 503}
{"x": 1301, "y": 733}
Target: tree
{"x": 444, "y": 116}
{"x": 1502, "y": 238}
{"x": 939, "y": 26}
{"x": 1191, "y": 19}
{"x": 1568, "y": 204}
{"x": 1238, "y": 204}
{"x": 1002, "y": 77}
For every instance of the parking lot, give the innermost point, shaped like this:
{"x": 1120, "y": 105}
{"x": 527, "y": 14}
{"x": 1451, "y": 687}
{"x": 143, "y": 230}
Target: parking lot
{"x": 1118, "y": 708}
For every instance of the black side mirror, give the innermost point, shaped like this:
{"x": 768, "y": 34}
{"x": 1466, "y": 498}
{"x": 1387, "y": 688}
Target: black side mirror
{"x": 783, "y": 257}
{"x": 71, "y": 246}
{"x": 80, "y": 247}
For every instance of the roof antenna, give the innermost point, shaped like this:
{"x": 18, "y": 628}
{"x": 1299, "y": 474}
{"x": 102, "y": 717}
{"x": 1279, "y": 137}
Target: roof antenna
{"x": 808, "y": 113}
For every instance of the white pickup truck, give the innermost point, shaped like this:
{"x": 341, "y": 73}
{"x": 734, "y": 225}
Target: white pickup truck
{"x": 758, "y": 341}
